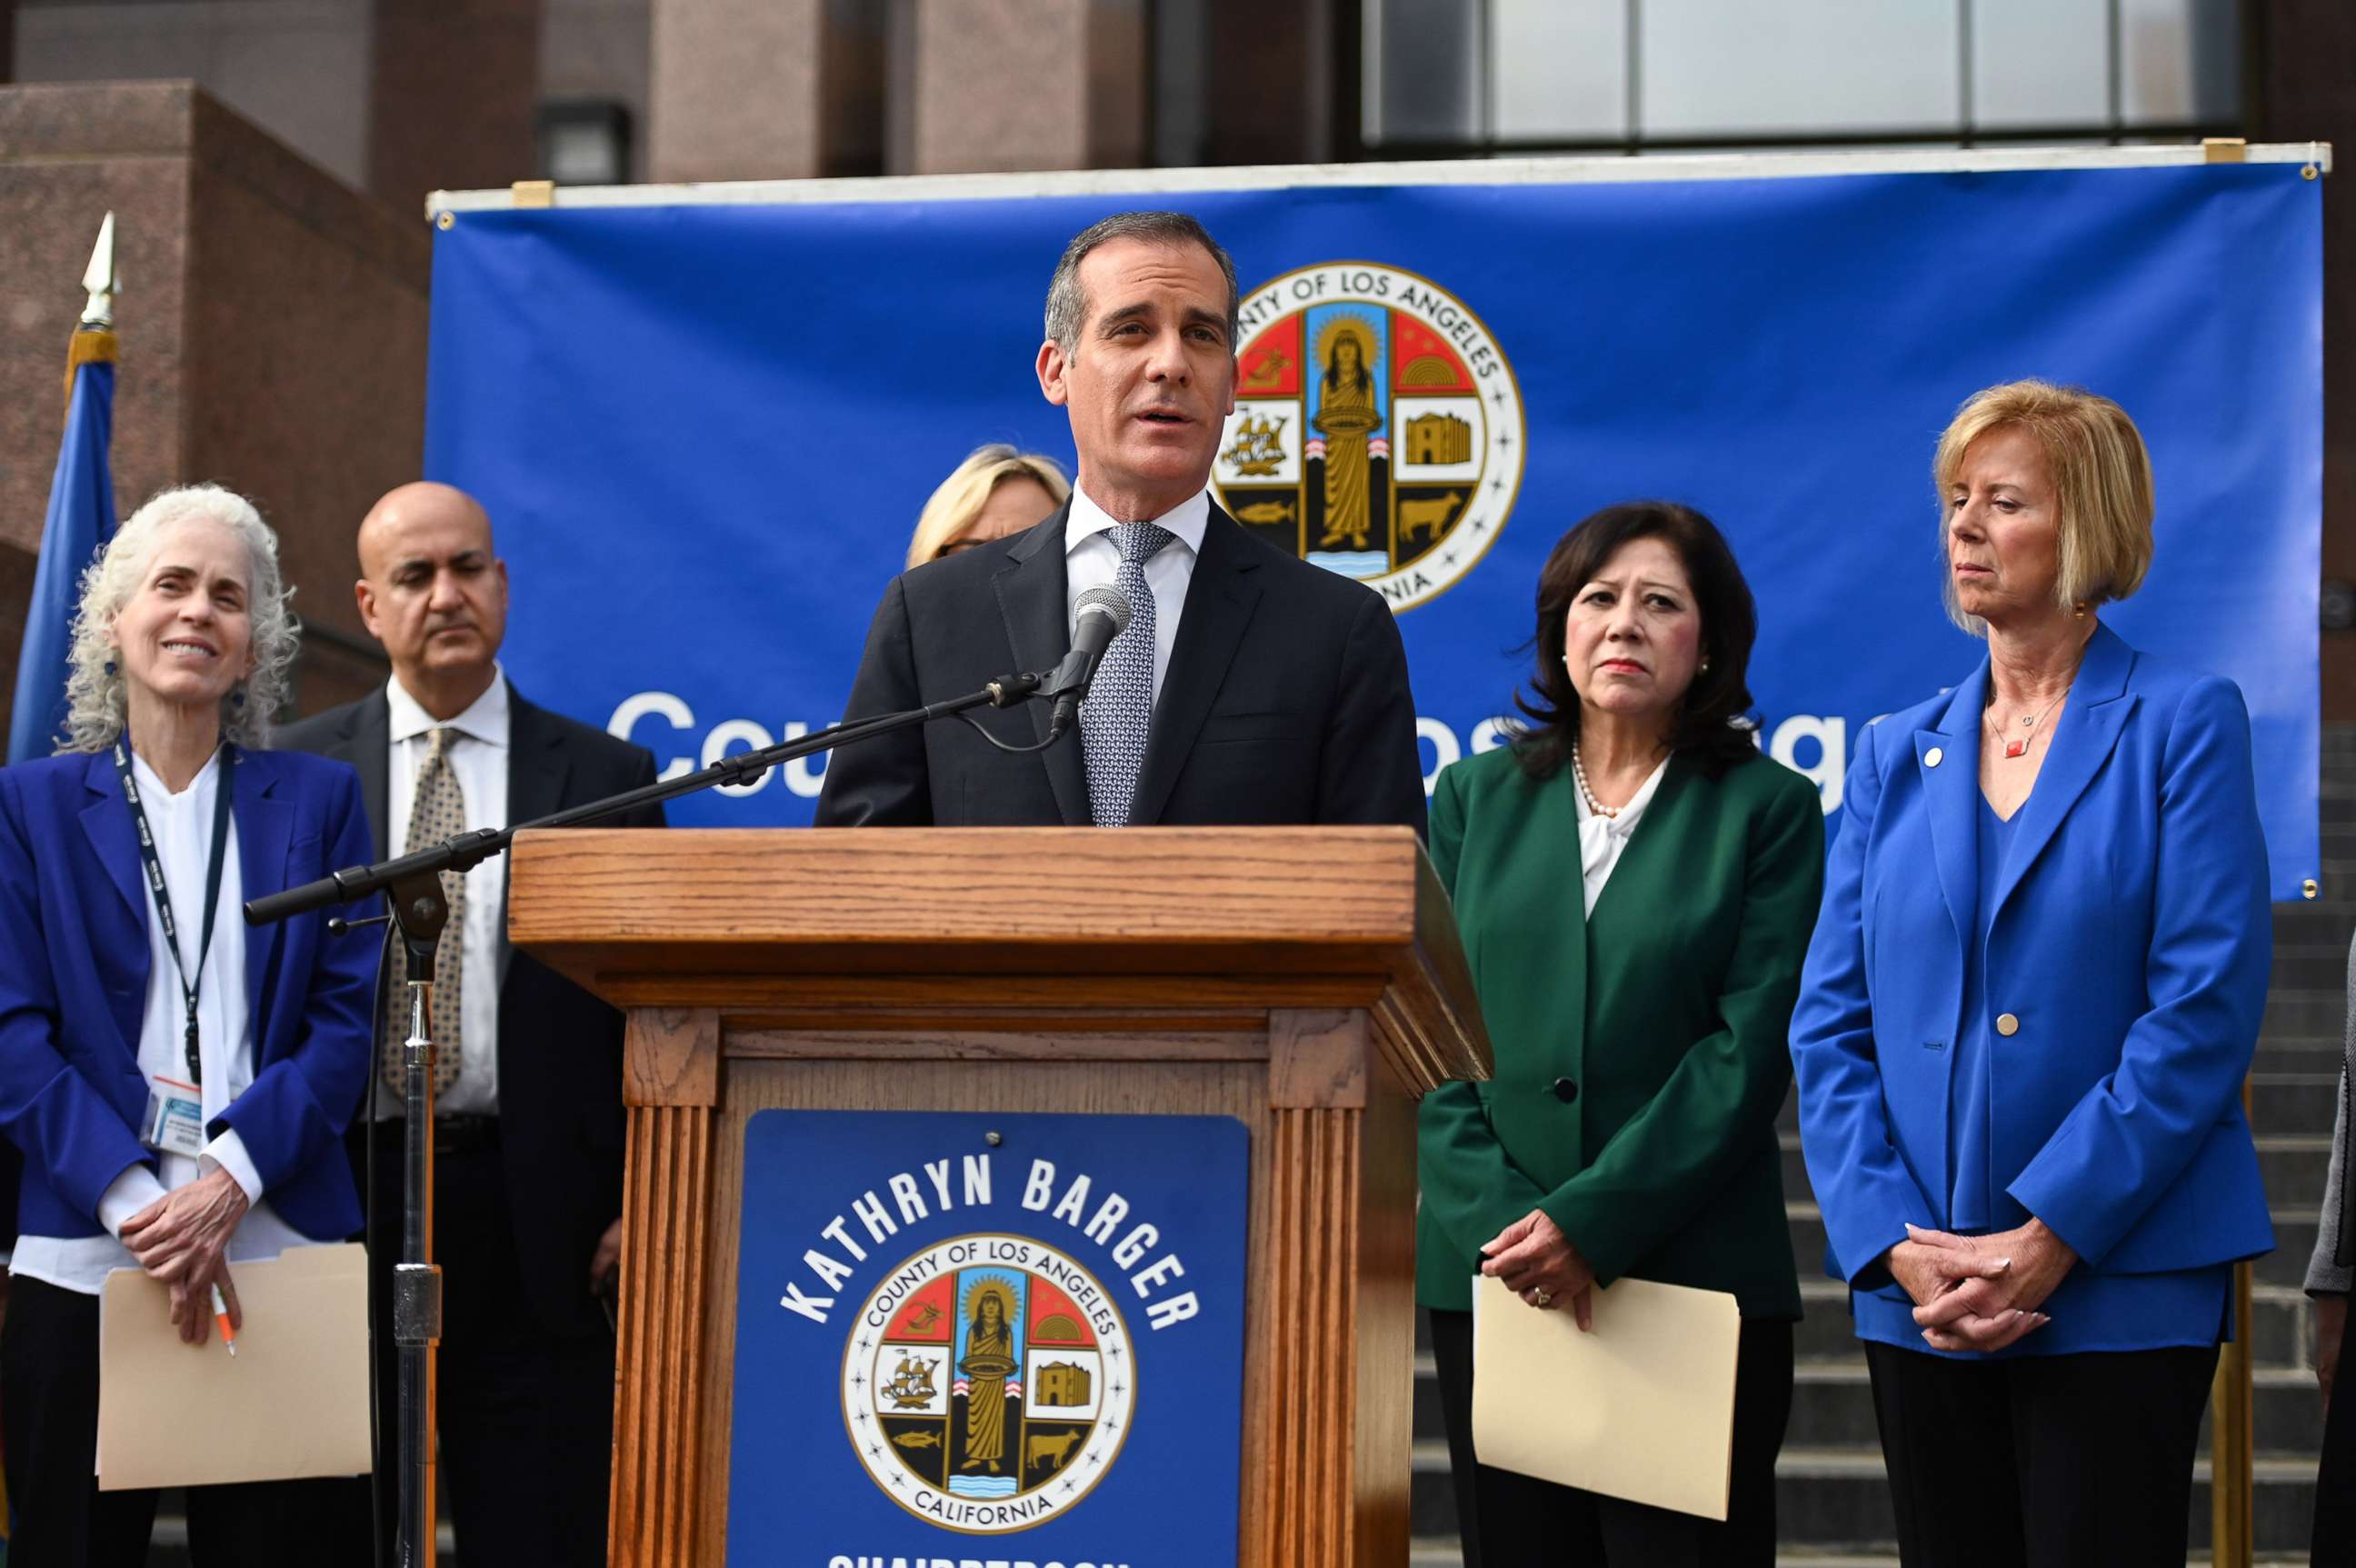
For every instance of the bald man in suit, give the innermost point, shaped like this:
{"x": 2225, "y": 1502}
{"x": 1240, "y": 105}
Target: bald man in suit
{"x": 527, "y": 1138}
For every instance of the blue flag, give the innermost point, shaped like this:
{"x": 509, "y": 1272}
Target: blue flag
{"x": 80, "y": 519}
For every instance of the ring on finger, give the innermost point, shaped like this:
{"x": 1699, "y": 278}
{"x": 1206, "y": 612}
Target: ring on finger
{"x": 1539, "y": 1298}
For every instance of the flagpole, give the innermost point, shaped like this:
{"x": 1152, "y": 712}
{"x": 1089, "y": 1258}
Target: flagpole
{"x": 93, "y": 341}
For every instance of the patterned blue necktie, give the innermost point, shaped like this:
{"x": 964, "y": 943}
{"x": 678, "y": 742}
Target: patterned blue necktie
{"x": 1118, "y": 714}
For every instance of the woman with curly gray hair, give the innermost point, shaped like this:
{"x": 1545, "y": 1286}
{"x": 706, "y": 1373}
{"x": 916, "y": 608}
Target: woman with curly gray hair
{"x": 97, "y": 683}
{"x": 174, "y": 1088}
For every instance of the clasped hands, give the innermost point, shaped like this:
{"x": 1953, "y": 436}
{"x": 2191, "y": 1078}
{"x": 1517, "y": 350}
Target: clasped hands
{"x": 182, "y": 1239}
{"x": 1979, "y": 1292}
{"x": 1540, "y": 1265}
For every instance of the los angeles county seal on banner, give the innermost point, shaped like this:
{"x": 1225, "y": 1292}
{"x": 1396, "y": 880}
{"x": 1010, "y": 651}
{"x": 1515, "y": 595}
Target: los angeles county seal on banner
{"x": 1378, "y": 428}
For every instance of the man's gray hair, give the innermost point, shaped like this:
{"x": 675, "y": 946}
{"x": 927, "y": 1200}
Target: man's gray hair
{"x": 96, "y": 699}
{"x": 1067, "y": 302}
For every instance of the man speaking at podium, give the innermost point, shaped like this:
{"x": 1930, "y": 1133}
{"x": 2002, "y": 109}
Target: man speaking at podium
{"x": 1246, "y": 686}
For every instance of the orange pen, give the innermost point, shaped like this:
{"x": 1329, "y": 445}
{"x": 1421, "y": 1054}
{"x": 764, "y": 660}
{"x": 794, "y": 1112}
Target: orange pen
{"x": 220, "y": 1316}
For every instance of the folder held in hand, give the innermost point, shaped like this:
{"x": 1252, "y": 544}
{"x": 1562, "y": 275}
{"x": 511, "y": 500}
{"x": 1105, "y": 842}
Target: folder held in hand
{"x": 1641, "y": 1408}
{"x": 293, "y": 1402}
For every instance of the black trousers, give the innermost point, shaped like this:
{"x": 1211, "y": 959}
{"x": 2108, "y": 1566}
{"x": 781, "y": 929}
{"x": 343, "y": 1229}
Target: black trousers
{"x": 1510, "y": 1521}
{"x": 48, "y": 1421}
{"x": 2335, "y": 1480}
{"x": 525, "y": 1415}
{"x": 2043, "y": 1460}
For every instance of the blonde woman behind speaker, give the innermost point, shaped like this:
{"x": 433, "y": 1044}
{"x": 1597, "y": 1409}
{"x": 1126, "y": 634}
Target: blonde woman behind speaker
{"x": 995, "y": 493}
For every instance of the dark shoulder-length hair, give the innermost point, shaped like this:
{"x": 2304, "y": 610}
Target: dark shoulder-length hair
{"x": 1704, "y": 729}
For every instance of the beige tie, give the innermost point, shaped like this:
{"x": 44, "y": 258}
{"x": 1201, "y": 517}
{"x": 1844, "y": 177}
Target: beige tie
{"x": 437, "y": 810}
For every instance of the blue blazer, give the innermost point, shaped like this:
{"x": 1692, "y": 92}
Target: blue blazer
{"x": 2130, "y": 939}
{"x": 74, "y": 964}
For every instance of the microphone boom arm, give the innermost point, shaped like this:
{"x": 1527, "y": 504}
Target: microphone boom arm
{"x": 464, "y": 851}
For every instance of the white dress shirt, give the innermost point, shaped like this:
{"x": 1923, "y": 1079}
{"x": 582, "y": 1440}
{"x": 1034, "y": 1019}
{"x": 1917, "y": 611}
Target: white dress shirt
{"x": 479, "y": 757}
{"x": 183, "y": 828}
{"x": 1090, "y": 559}
{"x": 1602, "y": 839}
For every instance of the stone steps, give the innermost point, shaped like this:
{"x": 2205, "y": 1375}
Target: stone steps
{"x": 2304, "y": 1016}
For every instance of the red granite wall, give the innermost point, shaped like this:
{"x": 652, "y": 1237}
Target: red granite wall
{"x": 272, "y": 324}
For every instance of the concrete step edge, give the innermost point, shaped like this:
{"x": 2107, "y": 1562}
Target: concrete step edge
{"x": 1816, "y": 1371}
{"x": 1854, "y": 1462}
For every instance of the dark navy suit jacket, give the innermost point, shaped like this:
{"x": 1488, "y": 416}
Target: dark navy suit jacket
{"x": 2130, "y": 944}
{"x": 1285, "y": 701}
{"x": 74, "y": 963}
{"x": 561, "y": 1117}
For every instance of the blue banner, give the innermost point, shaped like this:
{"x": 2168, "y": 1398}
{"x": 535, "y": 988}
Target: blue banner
{"x": 80, "y": 519}
{"x": 965, "y": 1338}
{"x": 704, "y": 432}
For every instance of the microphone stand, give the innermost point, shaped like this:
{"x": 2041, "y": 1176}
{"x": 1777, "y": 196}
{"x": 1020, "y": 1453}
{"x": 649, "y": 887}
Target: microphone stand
{"x": 411, "y": 887}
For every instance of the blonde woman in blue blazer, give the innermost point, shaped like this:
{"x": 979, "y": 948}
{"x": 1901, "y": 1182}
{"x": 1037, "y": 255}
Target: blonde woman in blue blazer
{"x": 2026, "y": 1013}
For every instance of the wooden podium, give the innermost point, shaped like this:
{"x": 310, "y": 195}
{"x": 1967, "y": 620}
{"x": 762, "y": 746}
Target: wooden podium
{"x": 1307, "y": 981}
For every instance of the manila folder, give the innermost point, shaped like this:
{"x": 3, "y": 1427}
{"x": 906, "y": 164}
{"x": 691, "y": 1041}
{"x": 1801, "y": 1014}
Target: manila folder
{"x": 293, "y": 1402}
{"x": 1641, "y": 1408}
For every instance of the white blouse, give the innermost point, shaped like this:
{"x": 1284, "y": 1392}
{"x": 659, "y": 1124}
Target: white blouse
{"x": 1602, "y": 839}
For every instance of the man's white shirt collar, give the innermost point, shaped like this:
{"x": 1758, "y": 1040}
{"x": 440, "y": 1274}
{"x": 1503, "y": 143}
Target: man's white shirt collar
{"x": 484, "y": 719}
{"x": 1187, "y": 520}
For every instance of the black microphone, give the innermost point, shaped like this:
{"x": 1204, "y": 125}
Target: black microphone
{"x": 1100, "y": 616}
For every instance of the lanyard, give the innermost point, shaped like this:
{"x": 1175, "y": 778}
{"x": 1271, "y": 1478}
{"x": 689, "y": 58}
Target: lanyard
{"x": 191, "y": 981}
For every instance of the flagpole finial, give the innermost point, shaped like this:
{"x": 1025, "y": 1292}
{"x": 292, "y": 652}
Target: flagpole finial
{"x": 99, "y": 278}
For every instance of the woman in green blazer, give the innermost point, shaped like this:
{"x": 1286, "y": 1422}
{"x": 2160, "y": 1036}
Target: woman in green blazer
{"x": 1635, "y": 885}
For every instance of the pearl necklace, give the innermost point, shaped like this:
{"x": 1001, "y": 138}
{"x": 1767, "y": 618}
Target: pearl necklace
{"x": 1586, "y": 791}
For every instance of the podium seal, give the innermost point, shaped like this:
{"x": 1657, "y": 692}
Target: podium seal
{"x": 988, "y": 1383}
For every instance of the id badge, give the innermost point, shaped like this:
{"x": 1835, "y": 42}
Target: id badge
{"x": 176, "y": 1119}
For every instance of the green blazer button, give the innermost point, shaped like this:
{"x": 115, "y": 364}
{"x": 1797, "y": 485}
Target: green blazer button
{"x": 1565, "y": 1090}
